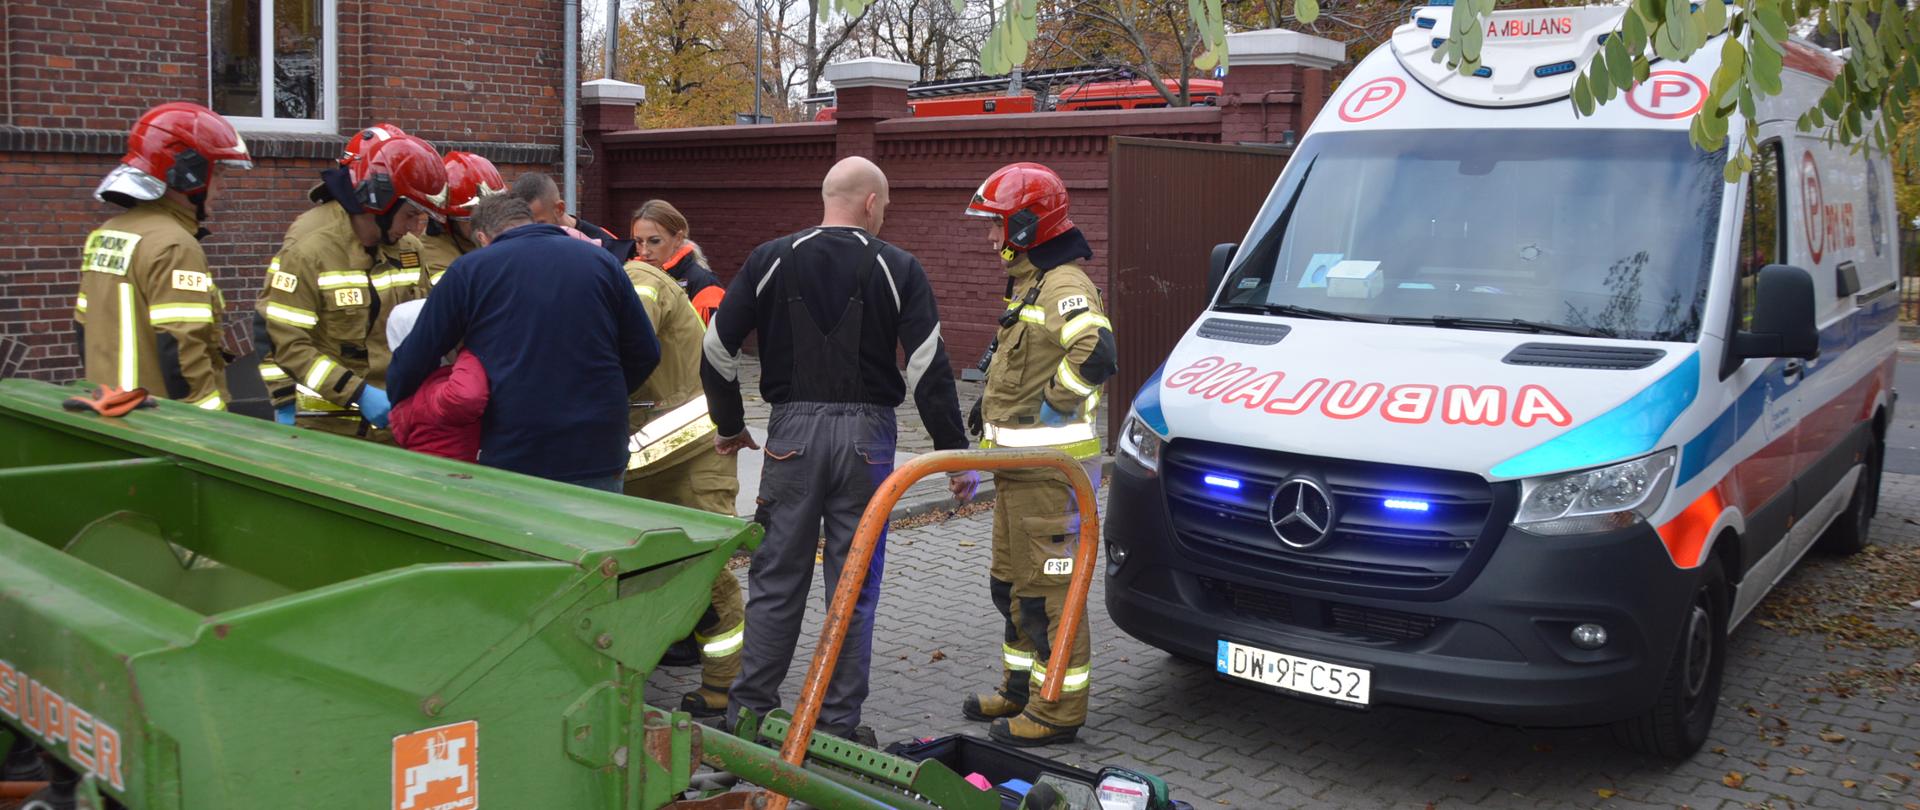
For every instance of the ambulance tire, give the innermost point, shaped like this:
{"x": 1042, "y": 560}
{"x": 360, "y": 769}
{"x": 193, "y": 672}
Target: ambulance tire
{"x": 1849, "y": 532}
{"x": 1682, "y": 715}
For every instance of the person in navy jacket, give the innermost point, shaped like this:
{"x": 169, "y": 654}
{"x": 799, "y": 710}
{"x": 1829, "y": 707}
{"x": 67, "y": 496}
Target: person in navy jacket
{"x": 563, "y": 338}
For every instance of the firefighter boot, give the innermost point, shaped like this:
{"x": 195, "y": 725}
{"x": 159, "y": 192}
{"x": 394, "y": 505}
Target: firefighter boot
{"x": 1024, "y": 731}
{"x": 990, "y": 706}
{"x": 1011, "y": 698}
{"x": 705, "y": 702}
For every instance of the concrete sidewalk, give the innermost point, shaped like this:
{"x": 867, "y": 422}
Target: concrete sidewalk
{"x": 928, "y": 495}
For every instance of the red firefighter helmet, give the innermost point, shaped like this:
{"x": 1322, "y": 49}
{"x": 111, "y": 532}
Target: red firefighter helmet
{"x": 373, "y": 134}
{"x": 400, "y": 168}
{"x": 470, "y": 177}
{"x": 173, "y": 147}
{"x": 1028, "y": 199}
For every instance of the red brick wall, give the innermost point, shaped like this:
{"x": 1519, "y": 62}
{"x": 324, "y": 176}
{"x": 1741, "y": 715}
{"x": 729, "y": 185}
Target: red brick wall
{"x": 741, "y": 186}
{"x": 481, "y": 75}
{"x": 470, "y": 70}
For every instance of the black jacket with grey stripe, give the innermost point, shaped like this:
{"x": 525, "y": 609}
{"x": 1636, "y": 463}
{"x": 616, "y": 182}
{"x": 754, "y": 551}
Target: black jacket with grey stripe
{"x": 899, "y": 312}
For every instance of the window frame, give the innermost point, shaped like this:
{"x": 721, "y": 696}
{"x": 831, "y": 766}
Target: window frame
{"x": 327, "y": 123}
{"x": 1736, "y": 309}
{"x": 1782, "y": 212}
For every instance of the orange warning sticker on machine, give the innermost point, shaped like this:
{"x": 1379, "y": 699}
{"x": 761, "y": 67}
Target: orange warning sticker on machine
{"x": 437, "y": 769}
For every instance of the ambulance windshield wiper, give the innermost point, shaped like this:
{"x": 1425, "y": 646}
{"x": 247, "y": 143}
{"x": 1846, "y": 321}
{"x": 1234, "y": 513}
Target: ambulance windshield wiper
{"x": 1298, "y": 311}
{"x": 1514, "y": 324}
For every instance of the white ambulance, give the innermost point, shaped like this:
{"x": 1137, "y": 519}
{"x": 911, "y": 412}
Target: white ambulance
{"x": 1504, "y": 411}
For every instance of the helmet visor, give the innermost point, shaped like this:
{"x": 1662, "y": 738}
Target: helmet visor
{"x": 130, "y": 182}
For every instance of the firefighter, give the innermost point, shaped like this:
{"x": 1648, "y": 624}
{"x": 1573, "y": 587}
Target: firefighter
{"x": 672, "y": 459}
{"x": 328, "y": 294}
{"x": 469, "y": 177}
{"x": 1055, "y": 349}
{"x": 328, "y": 189}
{"x": 148, "y": 310}
{"x": 335, "y": 185}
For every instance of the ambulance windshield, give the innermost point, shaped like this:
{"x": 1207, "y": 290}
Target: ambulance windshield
{"x": 1607, "y": 233}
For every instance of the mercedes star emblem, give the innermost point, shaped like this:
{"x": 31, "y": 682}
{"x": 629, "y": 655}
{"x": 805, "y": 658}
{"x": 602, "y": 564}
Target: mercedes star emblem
{"x": 1302, "y": 513}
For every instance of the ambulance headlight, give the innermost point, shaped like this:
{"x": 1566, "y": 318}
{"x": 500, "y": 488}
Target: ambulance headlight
{"x": 1141, "y": 445}
{"x": 1591, "y": 501}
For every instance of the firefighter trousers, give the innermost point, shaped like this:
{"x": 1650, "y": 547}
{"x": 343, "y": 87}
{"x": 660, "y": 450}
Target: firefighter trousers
{"x": 710, "y": 482}
{"x": 1036, "y": 525}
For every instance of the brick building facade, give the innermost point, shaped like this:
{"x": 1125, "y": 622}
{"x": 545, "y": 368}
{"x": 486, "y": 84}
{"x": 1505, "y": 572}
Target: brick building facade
{"x": 487, "y": 78}
{"x": 465, "y": 74}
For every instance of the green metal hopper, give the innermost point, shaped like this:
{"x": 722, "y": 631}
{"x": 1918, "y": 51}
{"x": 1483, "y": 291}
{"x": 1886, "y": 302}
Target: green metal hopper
{"x": 204, "y": 611}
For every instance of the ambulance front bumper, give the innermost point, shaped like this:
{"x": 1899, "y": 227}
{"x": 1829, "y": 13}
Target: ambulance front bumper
{"x": 1498, "y": 647}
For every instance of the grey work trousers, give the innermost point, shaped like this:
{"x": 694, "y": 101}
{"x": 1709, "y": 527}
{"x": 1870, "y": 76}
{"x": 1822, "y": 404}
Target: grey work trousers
{"x": 824, "y": 461}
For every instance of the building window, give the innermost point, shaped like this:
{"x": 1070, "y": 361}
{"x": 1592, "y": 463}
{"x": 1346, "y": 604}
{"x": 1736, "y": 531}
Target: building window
{"x": 272, "y": 64}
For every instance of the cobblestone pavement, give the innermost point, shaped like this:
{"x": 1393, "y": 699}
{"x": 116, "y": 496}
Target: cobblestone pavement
{"x": 1821, "y": 704}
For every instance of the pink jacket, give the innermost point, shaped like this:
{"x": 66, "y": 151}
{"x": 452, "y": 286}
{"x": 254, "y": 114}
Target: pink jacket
{"x": 443, "y": 417}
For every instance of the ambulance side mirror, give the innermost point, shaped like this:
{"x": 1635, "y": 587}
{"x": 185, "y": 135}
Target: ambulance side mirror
{"x": 1783, "y": 321}
{"x": 1217, "y": 266}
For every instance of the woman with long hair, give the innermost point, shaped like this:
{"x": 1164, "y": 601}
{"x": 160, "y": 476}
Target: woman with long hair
{"x": 661, "y": 237}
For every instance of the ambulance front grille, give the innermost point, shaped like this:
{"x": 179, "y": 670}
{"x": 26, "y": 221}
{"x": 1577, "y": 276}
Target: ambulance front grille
{"x": 1428, "y": 551}
{"x": 1368, "y": 624}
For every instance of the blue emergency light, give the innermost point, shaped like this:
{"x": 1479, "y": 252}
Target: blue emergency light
{"x": 1222, "y": 482}
{"x": 1407, "y": 505}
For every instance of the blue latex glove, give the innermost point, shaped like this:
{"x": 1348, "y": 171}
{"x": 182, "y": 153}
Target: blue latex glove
{"x": 374, "y": 406}
{"x": 285, "y": 413}
{"x": 1051, "y": 417}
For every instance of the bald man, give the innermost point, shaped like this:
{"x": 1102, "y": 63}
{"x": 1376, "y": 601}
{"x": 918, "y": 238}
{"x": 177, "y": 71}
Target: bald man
{"x": 830, "y": 304}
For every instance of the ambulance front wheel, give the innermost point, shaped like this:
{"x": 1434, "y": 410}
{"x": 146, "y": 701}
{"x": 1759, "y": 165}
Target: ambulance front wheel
{"x": 1682, "y": 714}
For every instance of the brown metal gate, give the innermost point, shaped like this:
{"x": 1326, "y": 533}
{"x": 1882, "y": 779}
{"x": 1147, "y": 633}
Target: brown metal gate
{"x": 1169, "y": 203}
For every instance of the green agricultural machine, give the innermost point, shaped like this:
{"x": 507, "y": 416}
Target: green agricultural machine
{"x": 202, "y": 611}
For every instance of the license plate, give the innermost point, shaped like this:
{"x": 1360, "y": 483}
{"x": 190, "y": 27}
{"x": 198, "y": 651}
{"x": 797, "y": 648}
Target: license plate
{"x": 1293, "y": 673}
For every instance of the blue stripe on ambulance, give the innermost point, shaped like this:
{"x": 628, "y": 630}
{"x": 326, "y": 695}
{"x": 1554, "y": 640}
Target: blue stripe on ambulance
{"x": 1701, "y": 451}
{"x": 1146, "y": 404}
{"x": 1629, "y": 429}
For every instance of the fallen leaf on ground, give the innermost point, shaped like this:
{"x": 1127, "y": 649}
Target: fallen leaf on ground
{"x": 1849, "y": 784}
{"x": 1720, "y": 749}
{"x": 968, "y": 544}
{"x": 1796, "y": 770}
{"x": 1607, "y": 793}
{"x": 1733, "y": 779}
{"x": 1833, "y": 736}
{"x": 939, "y": 656}
{"x": 1866, "y": 727}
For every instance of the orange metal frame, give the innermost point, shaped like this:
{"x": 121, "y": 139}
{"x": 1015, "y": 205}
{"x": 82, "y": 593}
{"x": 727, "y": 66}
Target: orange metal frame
{"x": 874, "y": 521}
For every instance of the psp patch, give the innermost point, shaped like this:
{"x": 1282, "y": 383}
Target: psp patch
{"x": 191, "y": 281}
{"x": 350, "y": 297}
{"x": 285, "y": 282}
{"x": 1073, "y": 302}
